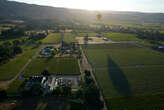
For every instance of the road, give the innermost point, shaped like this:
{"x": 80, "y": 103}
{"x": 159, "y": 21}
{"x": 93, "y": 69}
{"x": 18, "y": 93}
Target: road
{"x": 87, "y": 65}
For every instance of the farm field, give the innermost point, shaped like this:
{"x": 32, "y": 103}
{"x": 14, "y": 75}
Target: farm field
{"x": 46, "y": 103}
{"x": 36, "y": 103}
{"x": 59, "y": 65}
{"x": 69, "y": 38}
{"x": 11, "y": 68}
{"x": 83, "y": 34}
{"x": 121, "y": 37}
{"x": 14, "y": 88}
{"x": 148, "y": 44}
{"x": 52, "y": 38}
{"x": 124, "y": 70}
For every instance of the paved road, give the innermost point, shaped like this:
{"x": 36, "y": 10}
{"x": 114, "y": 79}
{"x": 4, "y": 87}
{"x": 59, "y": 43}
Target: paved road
{"x": 89, "y": 67}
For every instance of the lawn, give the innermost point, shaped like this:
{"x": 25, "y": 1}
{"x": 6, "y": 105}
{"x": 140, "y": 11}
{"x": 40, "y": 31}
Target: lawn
{"x": 91, "y": 34}
{"x": 69, "y": 38}
{"x": 12, "y": 67}
{"x": 121, "y": 36}
{"x": 52, "y": 38}
{"x": 59, "y": 65}
{"x": 124, "y": 69}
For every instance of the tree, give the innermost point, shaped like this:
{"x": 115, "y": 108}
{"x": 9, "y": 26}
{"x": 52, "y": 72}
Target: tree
{"x": 3, "y": 95}
{"x": 36, "y": 89}
{"x": 77, "y": 105}
{"x": 79, "y": 93}
{"x": 45, "y": 72}
{"x": 57, "y": 91}
{"x": 87, "y": 73}
{"x": 7, "y": 44}
{"x": 92, "y": 97}
{"x": 16, "y": 43}
{"x": 88, "y": 80}
{"x": 67, "y": 91}
{"x": 17, "y": 50}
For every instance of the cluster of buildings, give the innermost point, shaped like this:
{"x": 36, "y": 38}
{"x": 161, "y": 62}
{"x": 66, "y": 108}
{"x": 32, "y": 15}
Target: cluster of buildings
{"x": 72, "y": 48}
{"x": 47, "y": 52}
{"x": 49, "y": 83}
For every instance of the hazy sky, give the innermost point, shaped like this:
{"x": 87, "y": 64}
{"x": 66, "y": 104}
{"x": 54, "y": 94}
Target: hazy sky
{"x": 118, "y": 5}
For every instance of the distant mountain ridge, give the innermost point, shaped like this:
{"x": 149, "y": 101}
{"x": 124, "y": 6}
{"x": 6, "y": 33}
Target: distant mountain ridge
{"x": 16, "y": 10}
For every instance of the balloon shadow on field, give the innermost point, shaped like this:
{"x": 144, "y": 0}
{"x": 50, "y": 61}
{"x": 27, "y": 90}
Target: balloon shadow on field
{"x": 118, "y": 78}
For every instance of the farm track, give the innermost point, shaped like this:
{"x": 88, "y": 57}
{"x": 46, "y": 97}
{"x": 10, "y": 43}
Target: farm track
{"x": 142, "y": 46}
{"x": 89, "y": 67}
{"x": 5, "y": 84}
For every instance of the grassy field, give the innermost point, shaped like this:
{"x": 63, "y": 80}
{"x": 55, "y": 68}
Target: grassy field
{"x": 15, "y": 87}
{"x": 124, "y": 69}
{"x": 52, "y": 38}
{"x": 11, "y": 68}
{"x": 121, "y": 37}
{"x": 85, "y": 34}
{"x": 60, "y": 65}
{"x": 36, "y": 103}
{"x": 69, "y": 38}
{"x": 149, "y": 44}
{"x": 46, "y": 103}
{"x": 137, "y": 102}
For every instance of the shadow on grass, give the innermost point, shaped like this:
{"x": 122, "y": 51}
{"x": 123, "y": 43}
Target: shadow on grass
{"x": 118, "y": 78}
{"x": 42, "y": 103}
{"x": 27, "y": 104}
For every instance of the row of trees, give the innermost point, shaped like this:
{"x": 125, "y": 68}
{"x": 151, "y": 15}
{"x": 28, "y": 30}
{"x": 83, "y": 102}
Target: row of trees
{"x": 9, "y": 50}
{"x": 14, "y": 32}
{"x": 148, "y": 34}
{"x": 85, "y": 98}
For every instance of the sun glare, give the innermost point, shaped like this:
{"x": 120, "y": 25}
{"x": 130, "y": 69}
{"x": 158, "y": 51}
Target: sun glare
{"x": 93, "y": 4}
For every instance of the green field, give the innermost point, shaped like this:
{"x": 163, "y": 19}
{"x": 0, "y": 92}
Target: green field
{"x": 69, "y": 38}
{"x": 124, "y": 69}
{"x": 82, "y": 34}
{"x": 11, "y": 68}
{"x": 121, "y": 37}
{"x": 59, "y": 65}
{"x": 15, "y": 87}
{"x": 52, "y": 38}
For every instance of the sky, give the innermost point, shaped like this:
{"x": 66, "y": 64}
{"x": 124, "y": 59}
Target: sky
{"x": 115, "y": 5}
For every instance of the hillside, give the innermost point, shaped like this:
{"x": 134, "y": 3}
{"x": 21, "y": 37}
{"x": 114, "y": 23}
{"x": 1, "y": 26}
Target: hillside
{"x": 15, "y": 10}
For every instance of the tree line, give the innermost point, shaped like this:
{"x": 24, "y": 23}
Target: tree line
{"x": 9, "y": 50}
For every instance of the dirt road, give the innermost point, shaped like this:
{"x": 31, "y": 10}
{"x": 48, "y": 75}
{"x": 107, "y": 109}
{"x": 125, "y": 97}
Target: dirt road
{"x": 87, "y": 65}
